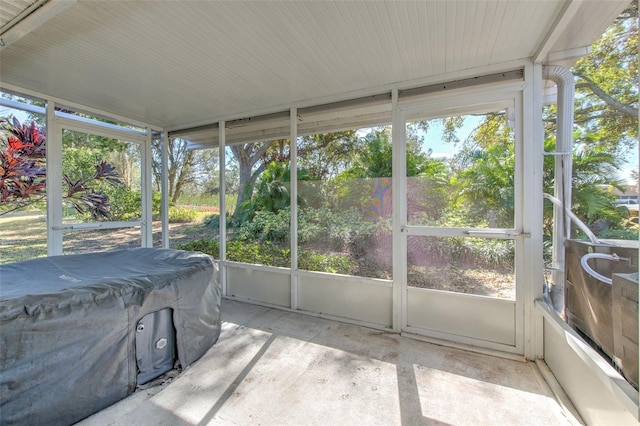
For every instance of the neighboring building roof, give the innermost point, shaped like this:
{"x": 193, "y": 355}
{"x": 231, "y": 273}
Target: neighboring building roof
{"x": 628, "y": 190}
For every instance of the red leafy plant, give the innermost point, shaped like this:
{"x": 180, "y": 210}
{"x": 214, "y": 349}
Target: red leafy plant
{"x": 23, "y": 174}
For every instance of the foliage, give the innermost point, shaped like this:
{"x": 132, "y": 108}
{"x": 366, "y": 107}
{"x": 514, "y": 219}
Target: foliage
{"x": 84, "y": 198}
{"x": 238, "y": 251}
{"x": 23, "y": 164}
{"x": 329, "y": 241}
{"x": 320, "y": 156}
{"x": 607, "y": 87}
{"x": 326, "y": 154}
{"x": 180, "y": 161}
{"x": 126, "y": 204}
{"x": 271, "y": 194}
{"x": 156, "y": 205}
{"x": 606, "y": 130}
{"x": 485, "y": 168}
{"x": 266, "y": 226}
{"x": 477, "y": 252}
{"x": 23, "y": 174}
{"x": 261, "y": 254}
{"x": 593, "y": 172}
{"x": 212, "y": 221}
{"x": 334, "y": 264}
{"x": 182, "y": 215}
{"x": 375, "y": 157}
{"x": 189, "y": 170}
{"x": 252, "y": 159}
{"x": 205, "y": 245}
{"x": 374, "y": 160}
{"x": 266, "y": 254}
{"x": 630, "y": 232}
{"x": 490, "y": 252}
{"x": 337, "y": 230}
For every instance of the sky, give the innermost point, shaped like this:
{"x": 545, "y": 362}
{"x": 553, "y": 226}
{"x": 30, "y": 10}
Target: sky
{"x": 442, "y": 149}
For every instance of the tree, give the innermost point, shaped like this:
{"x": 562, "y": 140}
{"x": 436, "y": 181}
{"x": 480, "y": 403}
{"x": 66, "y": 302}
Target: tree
{"x": 23, "y": 174}
{"x": 189, "y": 170}
{"x": 484, "y": 171}
{"x": 253, "y": 159}
{"x": 593, "y": 170}
{"x": 606, "y": 98}
{"x": 485, "y": 168}
{"x": 180, "y": 162}
{"x": 606, "y": 121}
{"x": 605, "y": 132}
{"x": 374, "y": 159}
{"x": 607, "y": 87}
{"x": 272, "y": 191}
{"x": 321, "y": 155}
{"x": 325, "y": 155}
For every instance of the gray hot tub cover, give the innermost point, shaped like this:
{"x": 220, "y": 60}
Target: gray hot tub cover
{"x": 67, "y": 326}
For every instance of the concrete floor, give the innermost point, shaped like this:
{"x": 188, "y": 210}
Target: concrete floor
{"x": 272, "y": 367}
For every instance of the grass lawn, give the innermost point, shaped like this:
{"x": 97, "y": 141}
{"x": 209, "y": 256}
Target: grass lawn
{"x": 23, "y": 236}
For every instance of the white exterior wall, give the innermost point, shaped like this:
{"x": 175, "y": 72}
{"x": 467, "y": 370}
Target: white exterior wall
{"x": 600, "y": 395}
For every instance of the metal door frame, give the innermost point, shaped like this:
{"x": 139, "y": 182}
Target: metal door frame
{"x": 457, "y": 102}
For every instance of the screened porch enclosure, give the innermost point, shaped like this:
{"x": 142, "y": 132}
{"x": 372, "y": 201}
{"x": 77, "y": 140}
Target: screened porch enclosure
{"x": 354, "y": 177}
{"x": 380, "y": 225}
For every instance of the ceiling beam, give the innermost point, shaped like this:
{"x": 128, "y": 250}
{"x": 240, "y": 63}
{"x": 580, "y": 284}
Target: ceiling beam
{"x": 28, "y": 22}
{"x": 561, "y": 23}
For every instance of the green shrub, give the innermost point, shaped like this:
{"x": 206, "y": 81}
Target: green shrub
{"x": 311, "y": 261}
{"x": 180, "y": 215}
{"x": 205, "y": 245}
{"x": 212, "y": 221}
{"x": 340, "y": 230}
{"x": 156, "y": 205}
{"x": 124, "y": 203}
{"x": 619, "y": 234}
{"x": 490, "y": 252}
{"x": 257, "y": 253}
{"x": 266, "y": 226}
{"x": 266, "y": 254}
{"x": 336, "y": 230}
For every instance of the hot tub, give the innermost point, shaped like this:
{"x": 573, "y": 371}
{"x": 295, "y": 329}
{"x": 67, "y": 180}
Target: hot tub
{"x": 68, "y": 326}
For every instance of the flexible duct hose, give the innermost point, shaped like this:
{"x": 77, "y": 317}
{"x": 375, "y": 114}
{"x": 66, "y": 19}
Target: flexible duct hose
{"x": 589, "y": 270}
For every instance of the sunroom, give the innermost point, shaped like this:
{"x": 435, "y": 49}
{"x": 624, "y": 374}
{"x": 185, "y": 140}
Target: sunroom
{"x": 323, "y": 129}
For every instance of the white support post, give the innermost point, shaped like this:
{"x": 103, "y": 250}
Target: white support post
{"x": 293, "y": 192}
{"x": 146, "y": 230}
{"x": 532, "y": 203}
{"x": 399, "y": 180}
{"x": 164, "y": 185}
{"x": 222, "y": 238}
{"x": 54, "y": 183}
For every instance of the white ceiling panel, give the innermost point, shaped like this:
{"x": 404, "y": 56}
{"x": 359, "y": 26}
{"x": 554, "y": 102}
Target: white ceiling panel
{"x": 12, "y": 10}
{"x": 176, "y": 63}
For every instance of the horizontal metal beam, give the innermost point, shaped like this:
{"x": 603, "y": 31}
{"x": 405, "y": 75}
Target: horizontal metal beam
{"x": 459, "y": 84}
